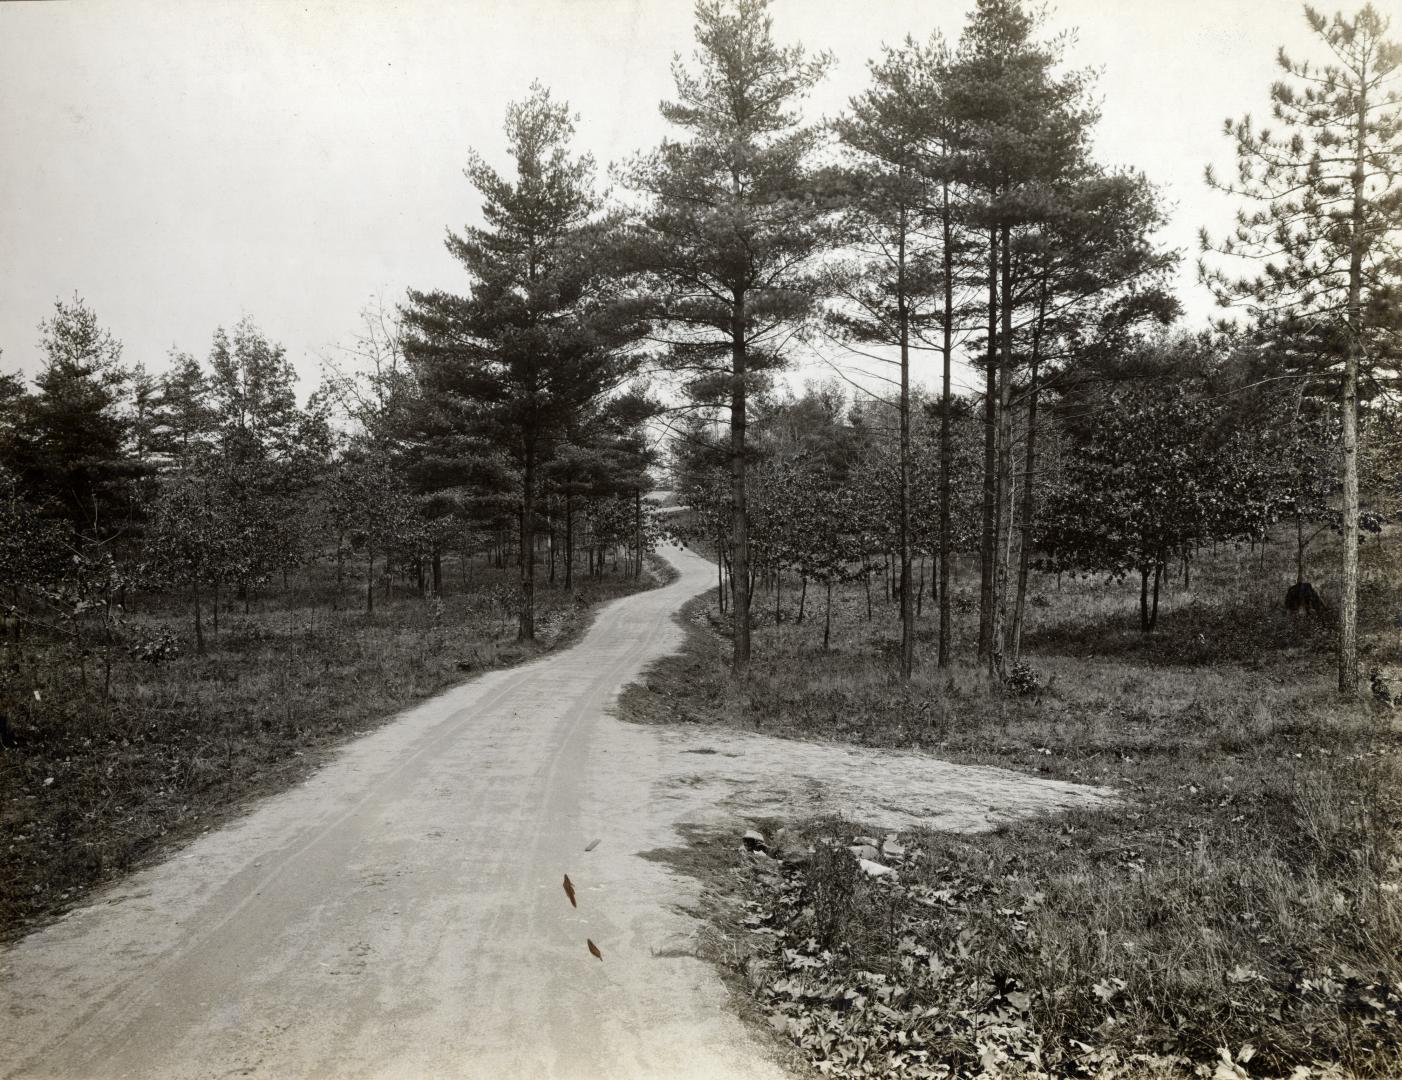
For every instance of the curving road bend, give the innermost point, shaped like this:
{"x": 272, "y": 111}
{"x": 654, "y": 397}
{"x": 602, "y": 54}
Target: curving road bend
{"x": 401, "y": 914}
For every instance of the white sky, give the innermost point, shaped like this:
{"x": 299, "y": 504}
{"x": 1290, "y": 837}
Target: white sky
{"x": 179, "y": 164}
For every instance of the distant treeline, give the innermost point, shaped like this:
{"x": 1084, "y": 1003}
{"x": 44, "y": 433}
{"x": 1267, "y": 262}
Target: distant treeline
{"x": 956, "y": 208}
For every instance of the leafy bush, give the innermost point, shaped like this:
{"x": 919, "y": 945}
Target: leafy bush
{"x": 1022, "y": 680}
{"x": 156, "y": 647}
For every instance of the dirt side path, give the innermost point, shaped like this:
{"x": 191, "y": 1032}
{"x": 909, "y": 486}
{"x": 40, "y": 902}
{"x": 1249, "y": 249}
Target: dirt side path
{"x": 402, "y": 914}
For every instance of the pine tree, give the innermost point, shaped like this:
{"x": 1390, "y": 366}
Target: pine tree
{"x": 1327, "y": 188}
{"x": 541, "y": 337}
{"x": 79, "y": 429}
{"x": 730, "y": 226}
{"x": 1089, "y": 278}
{"x": 186, "y": 415}
{"x": 897, "y": 290}
{"x": 1023, "y": 125}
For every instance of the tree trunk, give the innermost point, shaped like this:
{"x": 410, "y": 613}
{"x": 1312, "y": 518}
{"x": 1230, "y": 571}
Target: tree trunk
{"x": 81, "y": 650}
{"x": 107, "y": 651}
{"x": 1004, "y": 527}
{"x": 720, "y": 575}
{"x": 437, "y": 570}
{"x": 739, "y": 509}
{"x": 340, "y": 571}
{"x": 1348, "y": 583}
{"x": 199, "y": 624}
{"x": 526, "y": 632}
{"x": 638, "y": 532}
{"x": 827, "y": 619}
{"x": 987, "y": 540}
{"x": 907, "y": 600}
{"x": 946, "y": 400}
{"x": 1143, "y": 599}
{"x": 370, "y": 581}
{"x": 802, "y": 596}
{"x": 1029, "y": 472}
{"x": 1158, "y": 578}
{"x": 569, "y": 542}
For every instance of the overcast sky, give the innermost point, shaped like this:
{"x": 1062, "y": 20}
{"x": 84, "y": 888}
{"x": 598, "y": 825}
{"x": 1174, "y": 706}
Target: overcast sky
{"x": 181, "y": 164}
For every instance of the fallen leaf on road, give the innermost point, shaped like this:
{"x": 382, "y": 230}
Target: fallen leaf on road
{"x": 592, "y": 845}
{"x": 593, "y": 949}
{"x": 569, "y": 891}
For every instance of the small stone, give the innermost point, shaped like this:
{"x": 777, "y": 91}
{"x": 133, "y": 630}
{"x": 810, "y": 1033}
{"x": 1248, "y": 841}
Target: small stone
{"x": 875, "y": 869}
{"x": 864, "y": 851}
{"x": 754, "y": 841}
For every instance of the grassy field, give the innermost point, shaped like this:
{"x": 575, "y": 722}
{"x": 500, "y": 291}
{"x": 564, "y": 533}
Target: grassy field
{"x": 92, "y": 788}
{"x": 1237, "y": 914}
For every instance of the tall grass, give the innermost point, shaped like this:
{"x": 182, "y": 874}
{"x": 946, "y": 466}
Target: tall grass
{"x": 94, "y": 784}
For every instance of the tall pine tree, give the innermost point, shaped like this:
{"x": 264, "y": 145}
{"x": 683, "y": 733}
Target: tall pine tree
{"x": 895, "y": 293}
{"x": 1023, "y": 125}
{"x": 729, "y": 227}
{"x": 1326, "y": 188}
{"x": 542, "y": 334}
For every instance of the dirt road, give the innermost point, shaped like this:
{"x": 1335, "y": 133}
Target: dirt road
{"x": 402, "y": 914}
